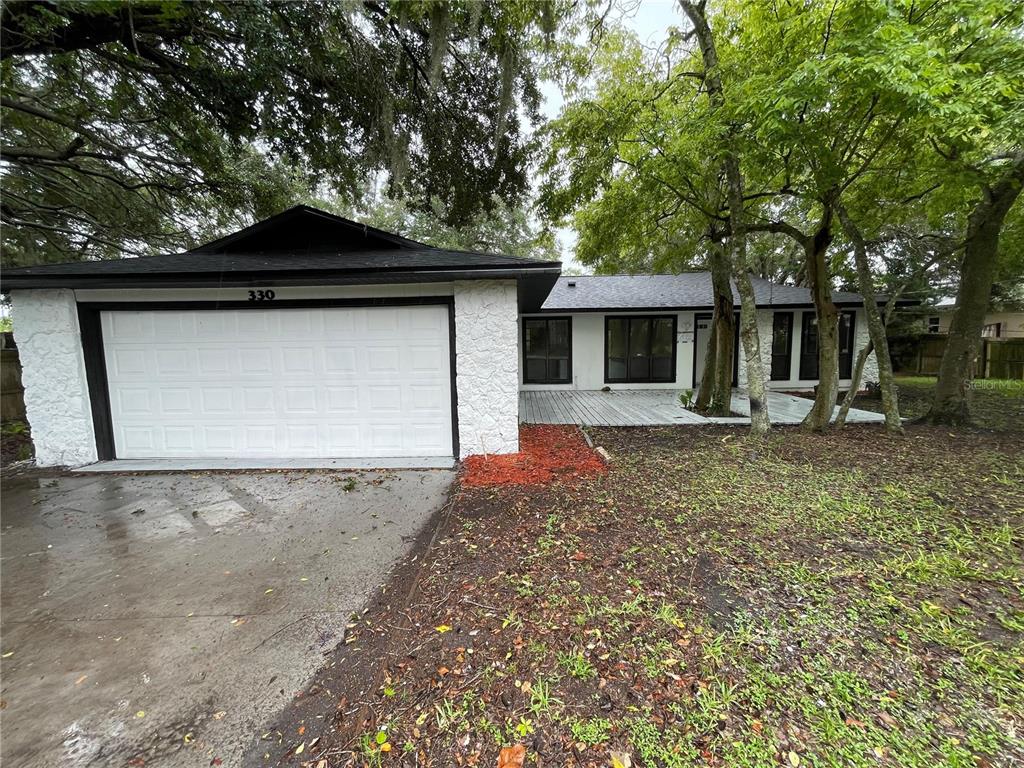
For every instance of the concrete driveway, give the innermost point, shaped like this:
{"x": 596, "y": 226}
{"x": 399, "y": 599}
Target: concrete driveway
{"x": 162, "y": 619}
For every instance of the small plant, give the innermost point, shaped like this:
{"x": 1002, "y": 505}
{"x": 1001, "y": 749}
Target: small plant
{"x": 577, "y": 665}
{"x": 541, "y": 699}
{"x": 595, "y": 730}
{"x": 349, "y": 484}
{"x": 524, "y": 727}
{"x": 686, "y": 399}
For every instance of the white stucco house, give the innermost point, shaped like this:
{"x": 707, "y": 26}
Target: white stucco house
{"x": 312, "y": 336}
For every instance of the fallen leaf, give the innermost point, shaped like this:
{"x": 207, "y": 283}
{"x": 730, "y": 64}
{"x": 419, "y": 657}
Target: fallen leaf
{"x": 188, "y": 738}
{"x": 81, "y": 680}
{"x": 267, "y": 592}
{"x": 302, "y": 729}
{"x": 298, "y": 749}
{"x": 140, "y": 713}
{"x": 621, "y": 760}
{"x": 7, "y": 655}
{"x": 757, "y": 726}
{"x": 794, "y": 759}
{"x": 443, "y": 628}
{"x": 512, "y": 757}
{"x": 385, "y": 747}
{"x": 879, "y": 751}
{"x": 219, "y": 715}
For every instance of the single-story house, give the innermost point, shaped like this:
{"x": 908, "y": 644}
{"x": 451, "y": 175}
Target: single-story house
{"x": 311, "y": 336}
{"x": 998, "y": 325}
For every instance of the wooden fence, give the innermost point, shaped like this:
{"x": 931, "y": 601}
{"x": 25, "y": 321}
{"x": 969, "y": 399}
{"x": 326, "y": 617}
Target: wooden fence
{"x": 999, "y": 358}
{"x": 12, "y": 394}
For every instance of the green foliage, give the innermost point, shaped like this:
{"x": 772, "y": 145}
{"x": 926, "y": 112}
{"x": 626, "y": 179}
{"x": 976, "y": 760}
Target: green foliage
{"x": 902, "y": 112}
{"x": 145, "y": 126}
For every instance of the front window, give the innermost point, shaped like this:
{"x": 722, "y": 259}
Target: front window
{"x": 933, "y": 324}
{"x": 640, "y": 349}
{"x": 991, "y": 330}
{"x": 547, "y": 347}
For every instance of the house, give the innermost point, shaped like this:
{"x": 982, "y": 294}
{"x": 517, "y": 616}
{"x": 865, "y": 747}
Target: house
{"x": 311, "y": 336}
{"x": 998, "y": 325}
{"x": 652, "y": 332}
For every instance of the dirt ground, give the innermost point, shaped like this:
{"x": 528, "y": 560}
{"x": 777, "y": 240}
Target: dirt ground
{"x": 841, "y": 600}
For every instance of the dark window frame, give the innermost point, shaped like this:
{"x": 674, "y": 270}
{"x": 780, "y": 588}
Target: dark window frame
{"x": 788, "y": 355}
{"x": 650, "y": 336}
{"x": 934, "y": 323}
{"x": 845, "y": 361}
{"x": 547, "y": 355}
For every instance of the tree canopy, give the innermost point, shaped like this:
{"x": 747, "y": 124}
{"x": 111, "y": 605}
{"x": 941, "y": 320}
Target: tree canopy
{"x": 131, "y": 127}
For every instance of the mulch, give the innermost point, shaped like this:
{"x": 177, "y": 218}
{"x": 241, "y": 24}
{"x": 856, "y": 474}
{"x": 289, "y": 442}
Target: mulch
{"x": 547, "y": 452}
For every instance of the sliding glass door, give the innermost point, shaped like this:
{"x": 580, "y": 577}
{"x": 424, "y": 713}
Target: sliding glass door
{"x": 640, "y": 349}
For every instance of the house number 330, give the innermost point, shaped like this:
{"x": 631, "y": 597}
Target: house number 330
{"x": 266, "y": 295}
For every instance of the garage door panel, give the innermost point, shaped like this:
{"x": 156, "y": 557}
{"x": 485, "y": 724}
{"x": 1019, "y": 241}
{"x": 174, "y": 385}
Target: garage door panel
{"x": 230, "y": 392}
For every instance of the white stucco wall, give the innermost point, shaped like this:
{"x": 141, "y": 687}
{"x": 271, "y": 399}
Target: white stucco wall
{"x": 53, "y": 374}
{"x": 486, "y": 366}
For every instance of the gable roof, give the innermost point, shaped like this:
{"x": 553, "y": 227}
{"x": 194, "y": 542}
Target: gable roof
{"x": 300, "y": 246}
{"x": 690, "y": 290}
{"x": 303, "y": 227}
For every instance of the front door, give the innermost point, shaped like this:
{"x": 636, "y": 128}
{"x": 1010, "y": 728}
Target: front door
{"x": 703, "y": 331}
{"x": 701, "y": 339}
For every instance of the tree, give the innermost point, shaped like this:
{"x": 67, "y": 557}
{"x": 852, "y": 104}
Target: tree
{"x": 977, "y": 274}
{"x": 759, "y": 419}
{"x": 628, "y": 162}
{"x": 125, "y": 123}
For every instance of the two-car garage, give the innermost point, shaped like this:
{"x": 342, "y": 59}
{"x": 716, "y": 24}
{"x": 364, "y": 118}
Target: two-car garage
{"x": 279, "y": 382}
{"x": 303, "y": 340}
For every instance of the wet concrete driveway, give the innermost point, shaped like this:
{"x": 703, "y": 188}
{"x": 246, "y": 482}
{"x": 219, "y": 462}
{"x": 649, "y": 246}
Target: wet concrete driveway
{"x": 160, "y": 620}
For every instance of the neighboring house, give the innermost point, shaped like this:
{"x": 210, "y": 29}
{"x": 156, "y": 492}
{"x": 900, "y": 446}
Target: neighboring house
{"x": 311, "y": 336}
{"x": 998, "y": 325}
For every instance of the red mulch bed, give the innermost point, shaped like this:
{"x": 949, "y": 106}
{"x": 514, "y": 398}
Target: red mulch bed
{"x": 546, "y": 451}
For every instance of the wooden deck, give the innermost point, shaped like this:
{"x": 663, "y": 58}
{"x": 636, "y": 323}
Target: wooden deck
{"x": 653, "y": 407}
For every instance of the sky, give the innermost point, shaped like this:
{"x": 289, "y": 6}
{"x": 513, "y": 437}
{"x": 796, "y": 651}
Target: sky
{"x": 650, "y": 19}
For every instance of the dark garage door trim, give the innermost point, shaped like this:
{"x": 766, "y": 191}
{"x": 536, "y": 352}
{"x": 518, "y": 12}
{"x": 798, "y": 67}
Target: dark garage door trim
{"x": 95, "y": 361}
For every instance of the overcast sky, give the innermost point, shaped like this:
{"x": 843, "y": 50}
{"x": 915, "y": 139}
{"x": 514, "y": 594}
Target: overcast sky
{"x": 650, "y": 19}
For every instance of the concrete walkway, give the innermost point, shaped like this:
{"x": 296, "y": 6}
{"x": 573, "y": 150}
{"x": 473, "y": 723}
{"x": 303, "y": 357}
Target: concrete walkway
{"x": 655, "y": 407}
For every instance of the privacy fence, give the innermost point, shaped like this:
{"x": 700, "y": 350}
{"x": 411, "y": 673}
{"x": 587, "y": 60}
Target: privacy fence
{"x": 999, "y": 358}
{"x": 12, "y": 397}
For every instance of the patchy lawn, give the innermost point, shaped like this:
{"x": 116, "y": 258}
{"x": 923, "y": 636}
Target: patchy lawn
{"x": 838, "y": 600}
{"x": 996, "y": 404}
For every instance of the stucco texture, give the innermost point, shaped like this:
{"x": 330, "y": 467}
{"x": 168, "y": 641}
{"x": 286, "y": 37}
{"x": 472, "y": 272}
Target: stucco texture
{"x": 487, "y": 366}
{"x": 53, "y": 374}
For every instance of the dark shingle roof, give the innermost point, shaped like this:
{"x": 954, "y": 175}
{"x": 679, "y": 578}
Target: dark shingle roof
{"x": 299, "y": 246}
{"x": 690, "y": 290}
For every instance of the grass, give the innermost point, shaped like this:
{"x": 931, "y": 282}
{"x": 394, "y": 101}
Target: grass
{"x": 996, "y": 404}
{"x": 840, "y": 600}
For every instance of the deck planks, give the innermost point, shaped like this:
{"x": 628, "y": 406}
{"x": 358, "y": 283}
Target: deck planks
{"x": 652, "y": 407}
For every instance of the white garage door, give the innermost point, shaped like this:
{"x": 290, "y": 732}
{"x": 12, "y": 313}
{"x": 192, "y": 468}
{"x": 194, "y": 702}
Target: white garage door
{"x": 279, "y": 383}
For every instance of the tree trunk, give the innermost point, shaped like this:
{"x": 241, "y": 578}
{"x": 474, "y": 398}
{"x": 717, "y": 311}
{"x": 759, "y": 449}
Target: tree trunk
{"x": 715, "y": 397}
{"x": 759, "y": 420}
{"x": 977, "y": 270}
{"x": 707, "y": 378}
{"x": 815, "y": 247}
{"x": 851, "y": 394}
{"x": 876, "y": 331}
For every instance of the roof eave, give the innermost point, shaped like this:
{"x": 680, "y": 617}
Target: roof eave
{"x": 548, "y": 271}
